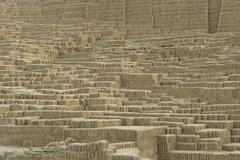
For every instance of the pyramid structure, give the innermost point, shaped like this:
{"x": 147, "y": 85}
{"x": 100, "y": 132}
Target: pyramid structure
{"x": 119, "y": 80}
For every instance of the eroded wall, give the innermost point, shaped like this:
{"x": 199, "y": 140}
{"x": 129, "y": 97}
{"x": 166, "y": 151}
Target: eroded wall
{"x": 166, "y": 16}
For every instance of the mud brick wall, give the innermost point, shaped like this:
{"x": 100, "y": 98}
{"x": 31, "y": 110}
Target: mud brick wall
{"x": 229, "y": 16}
{"x": 139, "y": 81}
{"x": 166, "y": 16}
{"x": 30, "y": 136}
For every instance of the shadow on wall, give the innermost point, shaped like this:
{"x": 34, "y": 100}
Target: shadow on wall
{"x": 214, "y": 10}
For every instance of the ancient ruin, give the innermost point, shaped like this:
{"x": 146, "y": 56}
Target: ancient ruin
{"x": 119, "y": 80}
